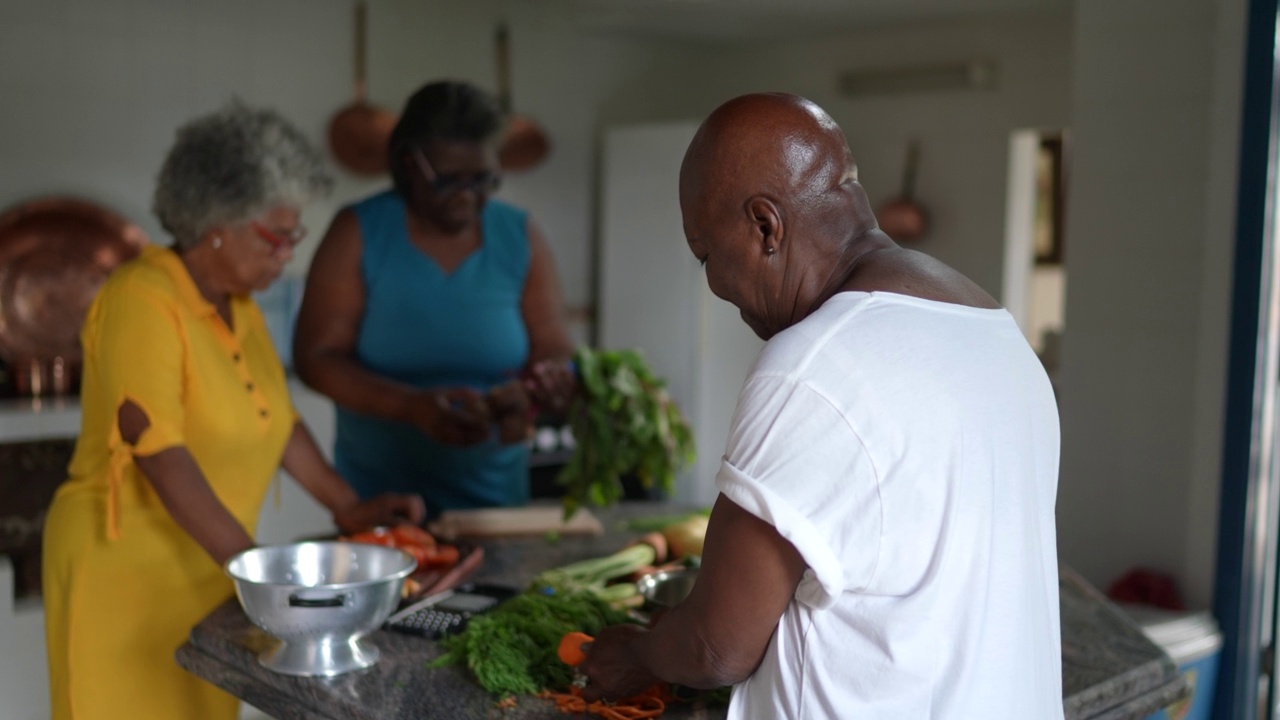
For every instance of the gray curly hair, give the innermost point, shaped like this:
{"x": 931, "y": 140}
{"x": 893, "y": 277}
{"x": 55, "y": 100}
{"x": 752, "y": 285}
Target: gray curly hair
{"x": 227, "y": 167}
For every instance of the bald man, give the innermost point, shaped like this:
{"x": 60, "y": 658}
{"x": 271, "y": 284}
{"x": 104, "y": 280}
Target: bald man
{"x": 883, "y": 545}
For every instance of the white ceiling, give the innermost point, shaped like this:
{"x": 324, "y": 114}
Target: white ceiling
{"x": 758, "y": 19}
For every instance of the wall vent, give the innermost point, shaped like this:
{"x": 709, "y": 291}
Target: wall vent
{"x": 939, "y": 77}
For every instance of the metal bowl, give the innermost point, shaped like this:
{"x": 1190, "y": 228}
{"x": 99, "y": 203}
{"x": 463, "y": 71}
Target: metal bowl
{"x": 666, "y": 588}
{"x": 319, "y": 599}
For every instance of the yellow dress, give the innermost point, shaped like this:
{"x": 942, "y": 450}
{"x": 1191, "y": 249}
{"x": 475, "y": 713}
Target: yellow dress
{"x": 123, "y": 583}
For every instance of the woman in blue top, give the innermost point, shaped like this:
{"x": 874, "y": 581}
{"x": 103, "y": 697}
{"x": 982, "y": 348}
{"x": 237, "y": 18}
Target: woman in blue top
{"x": 432, "y": 317}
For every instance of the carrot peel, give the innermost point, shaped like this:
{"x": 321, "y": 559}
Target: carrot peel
{"x": 649, "y": 704}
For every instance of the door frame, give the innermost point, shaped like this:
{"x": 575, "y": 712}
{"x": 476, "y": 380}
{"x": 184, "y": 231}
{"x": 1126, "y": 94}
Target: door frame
{"x": 1243, "y": 592}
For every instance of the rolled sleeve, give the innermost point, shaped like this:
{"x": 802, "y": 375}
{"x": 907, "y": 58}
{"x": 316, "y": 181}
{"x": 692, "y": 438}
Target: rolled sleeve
{"x": 139, "y": 352}
{"x": 794, "y": 461}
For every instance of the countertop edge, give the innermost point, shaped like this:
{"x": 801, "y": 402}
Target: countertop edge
{"x": 242, "y": 686}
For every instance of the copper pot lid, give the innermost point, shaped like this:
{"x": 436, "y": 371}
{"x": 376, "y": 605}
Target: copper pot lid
{"x": 54, "y": 255}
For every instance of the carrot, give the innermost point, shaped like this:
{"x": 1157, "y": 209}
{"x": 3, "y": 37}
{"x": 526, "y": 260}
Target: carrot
{"x": 441, "y": 556}
{"x": 570, "y": 650}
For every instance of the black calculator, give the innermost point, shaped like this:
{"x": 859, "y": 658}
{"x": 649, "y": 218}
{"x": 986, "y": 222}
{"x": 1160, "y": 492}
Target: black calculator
{"x": 449, "y": 611}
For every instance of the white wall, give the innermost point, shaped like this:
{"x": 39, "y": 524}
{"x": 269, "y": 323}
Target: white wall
{"x": 1150, "y": 217}
{"x": 964, "y": 136}
{"x": 94, "y": 90}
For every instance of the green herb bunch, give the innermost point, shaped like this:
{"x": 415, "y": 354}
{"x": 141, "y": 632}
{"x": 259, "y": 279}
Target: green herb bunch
{"x": 512, "y": 649}
{"x": 623, "y": 421}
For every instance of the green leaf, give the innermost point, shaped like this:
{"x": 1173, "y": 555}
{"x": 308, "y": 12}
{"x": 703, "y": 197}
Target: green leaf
{"x": 623, "y": 421}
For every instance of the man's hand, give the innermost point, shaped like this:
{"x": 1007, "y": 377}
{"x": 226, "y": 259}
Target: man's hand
{"x": 611, "y": 668}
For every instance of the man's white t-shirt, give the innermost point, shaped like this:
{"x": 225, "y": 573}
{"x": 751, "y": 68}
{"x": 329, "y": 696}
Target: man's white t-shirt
{"x": 909, "y": 450}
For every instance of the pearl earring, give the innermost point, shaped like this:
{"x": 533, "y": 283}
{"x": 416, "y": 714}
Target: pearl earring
{"x": 217, "y": 242}
{"x": 770, "y": 250}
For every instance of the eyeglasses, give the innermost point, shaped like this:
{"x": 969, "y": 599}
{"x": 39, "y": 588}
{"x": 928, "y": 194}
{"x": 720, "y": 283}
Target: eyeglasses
{"x": 277, "y": 239}
{"x": 444, "y": 184}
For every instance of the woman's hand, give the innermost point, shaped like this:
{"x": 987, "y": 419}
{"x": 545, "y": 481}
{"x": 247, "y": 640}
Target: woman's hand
{"x": 386, "y": 509}
{"x": 510, "y": 407}
{"x": 551, "y": 384}
{"x": 453, "y": 416}
{"x": 611, "y": 666}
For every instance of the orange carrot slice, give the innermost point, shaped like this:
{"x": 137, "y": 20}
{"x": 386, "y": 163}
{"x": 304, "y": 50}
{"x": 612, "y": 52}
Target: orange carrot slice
{"x": 570, "y": 650}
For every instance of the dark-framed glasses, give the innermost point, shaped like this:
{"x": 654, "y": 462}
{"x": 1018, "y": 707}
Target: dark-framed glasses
{"x": 444, "y": 184}
{"x": 279, "y": 238}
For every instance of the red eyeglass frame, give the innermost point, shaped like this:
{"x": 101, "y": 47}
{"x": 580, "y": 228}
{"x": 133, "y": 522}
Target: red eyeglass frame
{"x": 275, "y": 239}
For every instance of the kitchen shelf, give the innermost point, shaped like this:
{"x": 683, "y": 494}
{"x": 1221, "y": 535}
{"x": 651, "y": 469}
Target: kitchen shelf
{"x": 28, "y": 419}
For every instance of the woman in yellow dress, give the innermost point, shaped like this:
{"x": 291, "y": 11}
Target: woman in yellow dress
{"x": 186, "y": 420}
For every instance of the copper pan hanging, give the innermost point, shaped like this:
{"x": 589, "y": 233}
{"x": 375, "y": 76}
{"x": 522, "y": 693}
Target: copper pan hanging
{"x": 524, "y": 144}
{"x": 358, "y": 133}
{"x": 903, "y": 218}
{"x": 55, "y": 253}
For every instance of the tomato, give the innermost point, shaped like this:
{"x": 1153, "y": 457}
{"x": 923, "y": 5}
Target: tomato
{"x": 406, "y": 535}
{"x": 374, "y": 537}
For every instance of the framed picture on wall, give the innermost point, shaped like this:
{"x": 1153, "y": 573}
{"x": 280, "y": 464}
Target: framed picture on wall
{"x": 1050, "y": 190}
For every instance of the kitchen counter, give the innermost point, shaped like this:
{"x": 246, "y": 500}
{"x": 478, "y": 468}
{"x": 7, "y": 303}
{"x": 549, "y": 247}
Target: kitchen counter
{"x": 1110, "y": 670}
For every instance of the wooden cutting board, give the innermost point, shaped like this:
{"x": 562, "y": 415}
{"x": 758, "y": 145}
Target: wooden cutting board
{"x": 514, "y": 522}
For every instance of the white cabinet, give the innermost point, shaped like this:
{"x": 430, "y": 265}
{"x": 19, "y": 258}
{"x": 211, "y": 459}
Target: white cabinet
{"x": 654, "y": 297}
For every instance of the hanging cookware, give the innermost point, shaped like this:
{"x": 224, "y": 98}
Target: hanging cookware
{"x": 358, "y": 133}
{"x": 54, "y": 255}
{"x": 902, "y": 218}
{"x": 524, "y": 144}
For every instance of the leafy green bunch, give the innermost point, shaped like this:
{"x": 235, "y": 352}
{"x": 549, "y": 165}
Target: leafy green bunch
{"x": 512, "y": 649}
{"x": 623, "y": 421}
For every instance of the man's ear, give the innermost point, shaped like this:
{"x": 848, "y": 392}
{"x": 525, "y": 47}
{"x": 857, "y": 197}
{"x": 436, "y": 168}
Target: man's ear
{"x": 766, "y": 218}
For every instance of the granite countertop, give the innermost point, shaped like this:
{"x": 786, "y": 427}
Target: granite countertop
{"x": 1110, "y": 670}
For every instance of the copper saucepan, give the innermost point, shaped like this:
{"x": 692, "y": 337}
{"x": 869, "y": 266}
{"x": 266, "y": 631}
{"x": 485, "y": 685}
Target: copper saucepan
{"x": 358, "y": 133}
{"x": 524, "y": 144}
{"x": 902, "y": 218}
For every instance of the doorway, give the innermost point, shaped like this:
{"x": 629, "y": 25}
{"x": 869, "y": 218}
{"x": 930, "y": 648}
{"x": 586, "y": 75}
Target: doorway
{"x": 1035, "y": 271}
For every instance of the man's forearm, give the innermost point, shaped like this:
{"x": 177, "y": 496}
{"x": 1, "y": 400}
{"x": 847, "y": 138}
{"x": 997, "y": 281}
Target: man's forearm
{"x": 678, "y": 651}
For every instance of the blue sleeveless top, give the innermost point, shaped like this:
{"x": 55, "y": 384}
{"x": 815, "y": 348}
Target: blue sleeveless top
{"x": 427, "y": 328}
